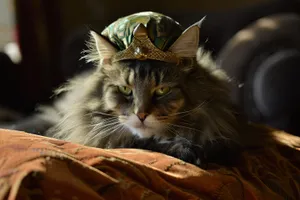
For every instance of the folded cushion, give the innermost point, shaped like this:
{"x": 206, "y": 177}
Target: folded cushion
{"x": 36, "y": 167}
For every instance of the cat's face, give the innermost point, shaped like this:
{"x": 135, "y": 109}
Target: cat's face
{"x": 146, "y": 96}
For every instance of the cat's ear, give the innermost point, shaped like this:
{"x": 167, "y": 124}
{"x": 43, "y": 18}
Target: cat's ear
{"x": 187, "y": 44}
{"x": 105, "y": 50}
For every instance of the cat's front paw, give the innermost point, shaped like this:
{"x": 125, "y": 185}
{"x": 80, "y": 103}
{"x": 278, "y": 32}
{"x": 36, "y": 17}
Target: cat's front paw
{"x": 186, "y": 151}
{"x": 182, "y": 149}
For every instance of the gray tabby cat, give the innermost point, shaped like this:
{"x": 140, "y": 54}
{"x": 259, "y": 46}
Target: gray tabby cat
{"x": 180, "y": 110}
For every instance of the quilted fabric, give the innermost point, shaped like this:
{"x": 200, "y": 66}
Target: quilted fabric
{"x": 35, "y": 167}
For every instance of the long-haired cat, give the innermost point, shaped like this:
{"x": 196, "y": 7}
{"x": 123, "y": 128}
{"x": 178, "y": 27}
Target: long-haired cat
{"x": 182, "y": 110}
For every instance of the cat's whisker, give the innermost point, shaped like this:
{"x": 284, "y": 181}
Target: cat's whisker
{"x": 162, "y": 117}
{"x": 109, "y": 127}
{"x": 121, "y": 132}
{"x": 153, "y": 121}
{"x": 183, "y": 112}
{"x": 104, "y": 122}
{"x": 168, "y": 119}
{"x": 104, "y": 114}
{"x": 191, "y": 110}
{"x": 186, "y": 124}
{"x": 185, "y": 127}
{"x": 101, "y": 124}
{"x": 106, "y": 132}
{"x": 98, "y": 127}
{"x": 101, "y": 127}
{"x": 123, "y": 117}
{"x": 174, "y": 131}
{"x": 109, "y": 119}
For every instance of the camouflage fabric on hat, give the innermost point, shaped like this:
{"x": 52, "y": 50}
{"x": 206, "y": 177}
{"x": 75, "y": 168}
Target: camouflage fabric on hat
{"x": 162, "y": 30}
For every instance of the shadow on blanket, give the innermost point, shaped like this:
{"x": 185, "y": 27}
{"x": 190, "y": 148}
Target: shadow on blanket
{"x": 35, "y": 167}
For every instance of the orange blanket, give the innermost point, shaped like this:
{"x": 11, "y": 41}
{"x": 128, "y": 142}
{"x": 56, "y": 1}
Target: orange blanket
{"x": 34, "y": 167}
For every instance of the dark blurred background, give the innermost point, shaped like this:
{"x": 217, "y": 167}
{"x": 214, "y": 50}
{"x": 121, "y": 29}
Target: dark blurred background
{"x": 50, "y": 36}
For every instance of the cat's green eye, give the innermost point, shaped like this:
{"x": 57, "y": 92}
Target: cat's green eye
{"x": 125, "y": 90}
{"x": 162, "y": 91}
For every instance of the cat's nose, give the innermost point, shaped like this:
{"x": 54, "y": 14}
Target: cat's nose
{"x": 142, "y": 116}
